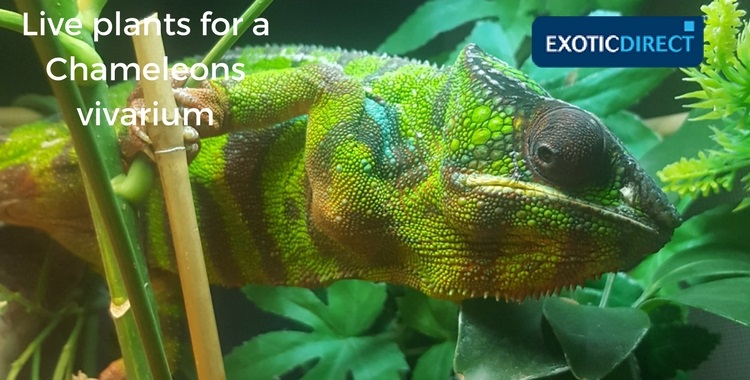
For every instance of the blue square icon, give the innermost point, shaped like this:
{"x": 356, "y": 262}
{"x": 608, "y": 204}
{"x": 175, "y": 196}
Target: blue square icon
{"x": 688, "y": 26}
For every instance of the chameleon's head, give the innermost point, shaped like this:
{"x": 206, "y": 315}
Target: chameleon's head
{"x": 40, "y": 183}
{"x": 546, "y": 195}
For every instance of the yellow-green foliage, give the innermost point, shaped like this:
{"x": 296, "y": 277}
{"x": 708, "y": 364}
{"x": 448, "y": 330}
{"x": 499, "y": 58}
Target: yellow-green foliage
{"x": 724, "y": 78}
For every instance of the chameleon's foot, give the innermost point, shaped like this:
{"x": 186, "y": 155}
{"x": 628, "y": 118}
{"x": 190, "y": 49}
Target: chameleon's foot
{"x": 198, "y": 124}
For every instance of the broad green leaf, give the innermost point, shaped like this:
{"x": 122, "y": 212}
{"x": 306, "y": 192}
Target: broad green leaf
{"x": 631, "y": 130}
{"x": 516, "y": 17}
{"x": 701, "y": 237}
{"x": 297, "y": 304}
{"x": 668, "y": 314}
{"x": 550, "y": 77}
{"x": 595, "y": 340}
{"x": 728, "y": 298}
{"x": 607, "y": 91}
{"x": 668, "y": 348}
{"x": 699, "y": 264}
{"x": 435, "y": 17}
{"x": 498, "y": 340}
{"x": 436, "y": 362}
{"x": 432, "y": 317}
{"x": 333, "y": 347}
{"x": 341, "y": 315}
{"x": 602, "y": 91}
{"x": 271, "y": 355}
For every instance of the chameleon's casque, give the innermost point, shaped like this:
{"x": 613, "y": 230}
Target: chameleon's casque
{"x": 462, "y": 181}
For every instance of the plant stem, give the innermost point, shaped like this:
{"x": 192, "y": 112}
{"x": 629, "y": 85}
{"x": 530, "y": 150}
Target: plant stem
{"x": 229, "y": 39}
{"x": 607, "y": 289}
{"x": 169, "y": 153}
{"x": 35, "y": 345}
{"x": 63, "y": 369}
{"x": 36, "y": 365}
{"x": 90, "y": 342}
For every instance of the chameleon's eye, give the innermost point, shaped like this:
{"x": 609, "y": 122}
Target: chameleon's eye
{"x": 567, "y": 147}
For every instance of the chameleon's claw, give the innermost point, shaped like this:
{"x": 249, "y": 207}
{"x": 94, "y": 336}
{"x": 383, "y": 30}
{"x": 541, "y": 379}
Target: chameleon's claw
{"x": 190, "y": 135}
{"x": 142, "y": 135}
{"x": 192, "y": 140}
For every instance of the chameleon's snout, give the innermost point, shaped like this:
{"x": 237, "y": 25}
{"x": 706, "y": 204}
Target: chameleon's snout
{"x": 640, "y": 192}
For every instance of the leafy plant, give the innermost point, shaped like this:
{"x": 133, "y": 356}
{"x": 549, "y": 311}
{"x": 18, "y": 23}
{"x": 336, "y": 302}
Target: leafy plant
{"x": 336, "y": 342}
{"x": 724, "y": 79}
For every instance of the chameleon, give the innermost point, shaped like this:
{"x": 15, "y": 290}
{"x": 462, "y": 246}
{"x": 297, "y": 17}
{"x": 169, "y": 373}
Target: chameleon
{"x": 462, "y": 181}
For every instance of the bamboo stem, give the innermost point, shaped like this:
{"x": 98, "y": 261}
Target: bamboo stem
{"x": 169, "y": 152}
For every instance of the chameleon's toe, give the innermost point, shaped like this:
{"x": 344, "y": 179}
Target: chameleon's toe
{"x": 192, "y": 142}
{"x": 136, "y": 140}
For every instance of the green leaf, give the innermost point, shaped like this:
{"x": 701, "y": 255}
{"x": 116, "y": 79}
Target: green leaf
{"x": 341, "y": 315}
{"x": 435, "y": 17}
{"x": 595, "y": 340}
{"x": 607, "y": 91}
{"x": 436, "y": 362}
{"x": 432, "y": 317}
{"x": 601, "y": 91}
{"x": 667, "y": 314}
{"x": 727, "y": 298}
{"x": 701, "y": 238}
{"x": 498, "y": 340}
{"x": 271, "y": 355}
{"x": 668, "y": 348}
{"x": 696, "y": 264}
{"x": 516, "y": 17}
{"x": 549, "y": 77}
{"x": 335, "y": 345}
{"x": 631, "y": 130}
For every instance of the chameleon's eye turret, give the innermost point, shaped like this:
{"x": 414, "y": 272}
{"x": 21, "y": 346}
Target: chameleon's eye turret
{"x": 567, "y": 147}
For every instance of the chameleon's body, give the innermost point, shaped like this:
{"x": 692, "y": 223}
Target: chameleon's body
{"x": 462, "y": 181}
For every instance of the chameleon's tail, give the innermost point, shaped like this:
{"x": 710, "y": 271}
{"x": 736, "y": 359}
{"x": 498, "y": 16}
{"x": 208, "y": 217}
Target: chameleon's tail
{"x": 41, "y": 186}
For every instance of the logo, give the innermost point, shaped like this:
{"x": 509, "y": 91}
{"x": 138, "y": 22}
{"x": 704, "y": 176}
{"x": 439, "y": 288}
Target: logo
{"x": 604, "y": 41}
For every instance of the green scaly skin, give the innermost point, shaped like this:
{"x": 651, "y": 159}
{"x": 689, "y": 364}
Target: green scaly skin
{"x": 462, "y": 181}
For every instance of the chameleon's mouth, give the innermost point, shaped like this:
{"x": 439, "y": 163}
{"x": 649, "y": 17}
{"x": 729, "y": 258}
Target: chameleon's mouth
{"x": 497, "y": 184}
